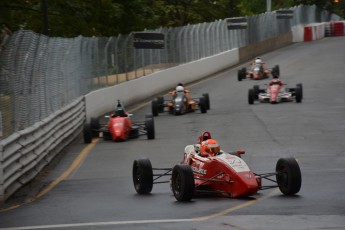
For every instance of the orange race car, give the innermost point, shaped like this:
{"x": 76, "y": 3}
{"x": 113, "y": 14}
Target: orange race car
{"x": 257, "y": 71}
{"x": 180, "y": 102}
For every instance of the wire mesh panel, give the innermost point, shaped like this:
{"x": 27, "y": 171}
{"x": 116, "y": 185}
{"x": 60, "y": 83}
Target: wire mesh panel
{"x": 39, "y": 74}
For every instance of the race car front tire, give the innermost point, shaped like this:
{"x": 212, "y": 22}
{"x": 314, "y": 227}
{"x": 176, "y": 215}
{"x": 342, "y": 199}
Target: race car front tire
{"x": 150, "y": 128}
{"x": 207, "y": 100}
{"x": 289, "y": 178}
{"x": 298, "y": 94}
{"x": 155, "y": 108}
{"x": 256, "y": 89}
{"x": 142, "y": 176}
{"x": 251, "y": 96}
{"x": 182, "y": 182}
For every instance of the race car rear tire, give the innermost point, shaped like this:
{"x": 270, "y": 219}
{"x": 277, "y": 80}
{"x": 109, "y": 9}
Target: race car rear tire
{"x": 150, "y": 128}
{"x": 182, "y": 182}
{"x": 134, "y": 132}
{"x": 298, "y": 94}
{"x": 87, "y": 133}
{"x": 299, "y": 85}
{"x": 95, "y": 126}
{"x": 202, "y": 105}
{"x": 251, "y": 96}
{"x": 154, "y": 107}
{"x": 239, "y": 75}
{"x": 276, "y": 70}
{"x": 288, "y": 176}
{"x": 207, "y": 100}
{"x": 142, "y": 176}
{"x": 160, "y": 102}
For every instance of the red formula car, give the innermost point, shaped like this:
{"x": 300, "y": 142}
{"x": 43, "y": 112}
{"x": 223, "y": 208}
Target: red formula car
{"x": 119, "y": 127}
{"x": 224, "y": 174}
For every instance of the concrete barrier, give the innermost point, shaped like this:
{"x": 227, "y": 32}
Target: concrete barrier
{"x": 309, "y": 32}
{"x": 101, "y": 101}
{"x": 251, "y": 51}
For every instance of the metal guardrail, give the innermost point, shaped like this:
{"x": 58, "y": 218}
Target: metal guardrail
{"x": 25, "y": 153}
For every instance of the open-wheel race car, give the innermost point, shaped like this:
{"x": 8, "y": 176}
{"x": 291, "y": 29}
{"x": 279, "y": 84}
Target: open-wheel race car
{"x": 119, "y": 127}
{"x": 275, "y": 92}
{"x": 257, "y": 71}
{"x": 180, "y": 103}
{"x": 223, "y": 174}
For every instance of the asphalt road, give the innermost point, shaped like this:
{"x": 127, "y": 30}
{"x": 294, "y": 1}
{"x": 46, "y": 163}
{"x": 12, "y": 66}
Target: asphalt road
{"x": 99, "y": 193}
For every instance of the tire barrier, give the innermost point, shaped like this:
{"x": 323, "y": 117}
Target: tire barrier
{"x": 25, "y": 153}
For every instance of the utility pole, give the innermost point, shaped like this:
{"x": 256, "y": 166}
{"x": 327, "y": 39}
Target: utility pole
{"x": 268, "y": 5}
{"x": 44, "y": 17}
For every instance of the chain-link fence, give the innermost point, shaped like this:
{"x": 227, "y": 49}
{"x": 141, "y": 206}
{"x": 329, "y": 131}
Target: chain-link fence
{"x": 40, "y": 74}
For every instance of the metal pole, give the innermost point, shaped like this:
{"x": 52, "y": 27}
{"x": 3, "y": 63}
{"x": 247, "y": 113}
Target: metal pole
{"x": 44, "y": 17}
{"x": 268, "y": 5}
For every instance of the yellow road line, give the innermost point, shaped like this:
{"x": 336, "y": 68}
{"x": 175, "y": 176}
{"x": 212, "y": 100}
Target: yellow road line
{"x": 75, "y": 164}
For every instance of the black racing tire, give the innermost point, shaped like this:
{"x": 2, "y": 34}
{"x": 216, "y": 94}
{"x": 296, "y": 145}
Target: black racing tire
{"x": 150, "y": 128}
{"x": 142, "y": 174}
{"x": 135, "y": 131}
{"x": 251, "y": 96}
{"x": 256, "y": 89}
{"x": 202, "y": 105}
{"x": 95, "y": 126}
{"x": 160, "y": 101}
{"x": 289, "y": 178}
{"x": 182, "y": 182}
{"x": 276, "y": 70}
{"x": 239, "y": 75}
{"x": 299, "y": 85}
{"x": 207, "y": 100}
{"x": 94, "y": 123}
{"x": 298, "y": 94}
{"x": 87, "y": 133}
{"x": 154, "y": 107}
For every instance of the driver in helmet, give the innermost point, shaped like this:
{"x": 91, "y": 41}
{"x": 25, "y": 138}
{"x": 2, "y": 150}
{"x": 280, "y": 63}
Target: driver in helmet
{"x": 119, "y": 110}
{"x": 181, "y": 88}
{"x": 208, "y": 148}
{"x": 258, "y": 61}
{"x": 276, "y": 81}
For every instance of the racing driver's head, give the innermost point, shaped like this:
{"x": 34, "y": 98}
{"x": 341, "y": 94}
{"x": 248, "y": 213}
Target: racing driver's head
{"x": 210, "y": 147}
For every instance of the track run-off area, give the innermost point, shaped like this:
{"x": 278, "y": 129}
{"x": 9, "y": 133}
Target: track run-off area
{"x": 90, "y": 186}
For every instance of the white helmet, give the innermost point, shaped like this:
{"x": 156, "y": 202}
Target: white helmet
{"x": 179, "y": 89}
{"x": 258, "y": 61}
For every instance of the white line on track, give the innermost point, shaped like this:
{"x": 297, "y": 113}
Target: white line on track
{"x": 100, "y": 224}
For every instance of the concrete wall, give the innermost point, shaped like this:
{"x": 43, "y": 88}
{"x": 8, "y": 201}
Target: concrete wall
{"x": 102, "y": 101}
{"x": 251, "y": 51}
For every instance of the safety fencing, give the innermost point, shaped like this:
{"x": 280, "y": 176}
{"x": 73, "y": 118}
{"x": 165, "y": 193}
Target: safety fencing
{"x": 43, "y": 80}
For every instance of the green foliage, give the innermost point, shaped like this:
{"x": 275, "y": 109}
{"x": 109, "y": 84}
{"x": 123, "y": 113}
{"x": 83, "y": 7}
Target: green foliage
{"x": 112, "y": 17}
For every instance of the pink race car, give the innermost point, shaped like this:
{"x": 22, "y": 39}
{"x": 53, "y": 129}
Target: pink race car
{"x": 275, "y": 92}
